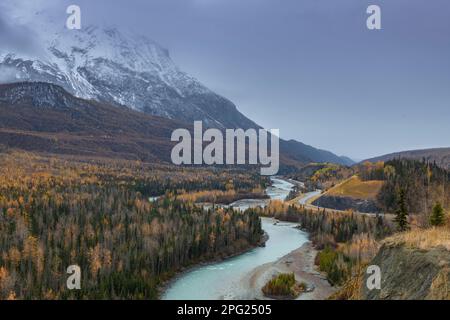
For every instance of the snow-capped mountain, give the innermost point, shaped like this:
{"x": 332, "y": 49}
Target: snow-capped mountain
{"x": 107, "y": 65}
{"x": 120, "y": 68}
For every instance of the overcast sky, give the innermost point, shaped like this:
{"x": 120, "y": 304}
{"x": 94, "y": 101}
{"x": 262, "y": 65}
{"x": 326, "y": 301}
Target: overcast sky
{"x": 308, "y": 67}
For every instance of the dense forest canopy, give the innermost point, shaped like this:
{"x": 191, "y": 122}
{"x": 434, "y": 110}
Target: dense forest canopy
{"x": 423, "y": 184}
{"x": 60, "y": 212}
{"x": 347, "y": 240}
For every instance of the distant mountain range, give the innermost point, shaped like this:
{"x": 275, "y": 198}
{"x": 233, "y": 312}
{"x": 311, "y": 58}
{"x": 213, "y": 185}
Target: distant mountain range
{"x": 439, "y": 155}
{"x": 117, "y": 69}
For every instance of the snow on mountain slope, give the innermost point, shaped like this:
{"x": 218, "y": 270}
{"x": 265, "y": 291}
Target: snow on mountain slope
{"x": 122, "y": 68}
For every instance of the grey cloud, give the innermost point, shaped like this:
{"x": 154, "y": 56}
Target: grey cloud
{"x": 307, "y": 67}
{"x": 8, "y": 74}
{"x": 16, "y": 38}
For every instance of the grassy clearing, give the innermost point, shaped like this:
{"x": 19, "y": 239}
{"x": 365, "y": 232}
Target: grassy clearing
{"x": 356, "y": 188}
{"x": 422, "y": 238}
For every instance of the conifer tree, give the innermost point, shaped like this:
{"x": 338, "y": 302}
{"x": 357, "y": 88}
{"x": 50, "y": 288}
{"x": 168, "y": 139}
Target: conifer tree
{"x": 437, "y": 216}
{"x": 402, "y": 213}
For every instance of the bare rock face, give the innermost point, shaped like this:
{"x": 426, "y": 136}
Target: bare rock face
{"x": 410, "y": 274}
{"x": 347, "y": 203}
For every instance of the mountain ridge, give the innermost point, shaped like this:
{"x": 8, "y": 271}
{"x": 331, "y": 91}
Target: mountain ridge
{"x": 439, "y": 155}
{"x": 38, "y": 116}
{"x": 133, "y": 71}
{"x": 124, "y": 69}
{"x": 54, "y": 121}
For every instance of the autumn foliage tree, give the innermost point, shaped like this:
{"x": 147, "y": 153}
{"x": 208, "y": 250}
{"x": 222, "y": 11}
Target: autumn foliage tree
{"x": 57, "y": 212}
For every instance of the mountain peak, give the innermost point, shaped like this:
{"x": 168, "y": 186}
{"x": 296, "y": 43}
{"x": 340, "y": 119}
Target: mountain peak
{"x": 122, "y": 68}
{"x": 117, "y": 67}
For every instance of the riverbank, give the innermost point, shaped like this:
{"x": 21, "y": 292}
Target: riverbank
{"x": 206, "y": 280}
{"x": 165, "y": 285}
{"x": 301, "y": 263}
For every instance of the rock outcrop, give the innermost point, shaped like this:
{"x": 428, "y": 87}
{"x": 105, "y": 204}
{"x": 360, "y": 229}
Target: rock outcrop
{"x": 347, "y": 203}
{"x": 410, "y": 274}
{"x": 413, "y": 266}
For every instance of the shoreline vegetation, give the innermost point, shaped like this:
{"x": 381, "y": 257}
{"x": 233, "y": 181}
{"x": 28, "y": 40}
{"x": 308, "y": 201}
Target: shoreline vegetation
{"x": 346, "y": 240}
{"x": 301, "y": 263}
{"x": 176, "y": 275}
{"x": 283, "y": 286}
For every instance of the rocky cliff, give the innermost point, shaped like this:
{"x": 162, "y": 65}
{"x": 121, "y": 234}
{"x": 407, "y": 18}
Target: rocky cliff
{"x": 413, "y": 265}
{"x": 411, "y": 274}
{"x": 347, "y": 203}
